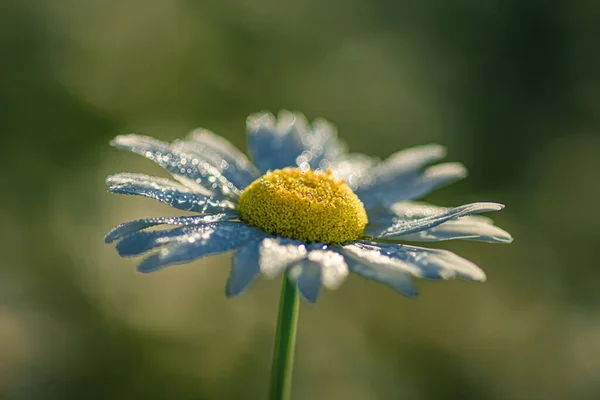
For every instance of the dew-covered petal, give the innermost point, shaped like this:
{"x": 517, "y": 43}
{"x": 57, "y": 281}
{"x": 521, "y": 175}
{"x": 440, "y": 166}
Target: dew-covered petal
{"x": 323, "y": 146}
{"x": 278, "y": 253}
{"x": 464, "y": 229}
{"x": 434, "y": 263}
{"x": 306, "y": 274}
{"x": 204, "y": 241}
{"x": 290, "y": 141}
{"x": 472, "y": 227}
{"x": 166, "y": 191}
{"x": 275, "y": 143}
{"x": 144, "y": 223}
{"x": 319, "y": 266}
{"x": 411, "y": 159}
{"x": 221, "y": 154}
{"x": 191, "y": 170}
{"x": 420, "y": 262}
{"x": 370, "y": 264}
{"x": 403, "y": 176}
{"x": 334, "y": 269}
{"x": 137, "y": 243}
{"x": 354, "y": 169}
{"x": 409, "y": 186}
{"x": 401, "y": 227}
{"x": 245, "y": 268}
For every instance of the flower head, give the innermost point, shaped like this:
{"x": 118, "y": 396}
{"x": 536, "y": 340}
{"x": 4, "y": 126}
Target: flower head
{"x": 306, "y": 206}
{"x": 311, "y": 206}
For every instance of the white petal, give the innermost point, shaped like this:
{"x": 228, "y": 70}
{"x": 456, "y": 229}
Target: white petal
{"x": 418, "y": 261}
{"x": 168, "y": 192}
{"x": 472, "y": 227}
{"x": 277, "y": 254}
{"x": 307, "y": 275}
{"x": 371, "y": 264}
{"x": 221, "y": 154}
{"x": 403, "y": 176}
{"x": 206, "y": 240}
{"x": 184, "y": 166}
{"x": 245, "y": 269}
{"x": 290, "y": 141}
{"x": 144, "y": 223}
{"x": 334, "y": 269}
{"x": 406, "y": 226}
{"x": 411, "y": 159}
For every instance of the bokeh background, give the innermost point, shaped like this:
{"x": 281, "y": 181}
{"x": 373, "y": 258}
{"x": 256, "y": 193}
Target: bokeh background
{"x": 511, "y": 87}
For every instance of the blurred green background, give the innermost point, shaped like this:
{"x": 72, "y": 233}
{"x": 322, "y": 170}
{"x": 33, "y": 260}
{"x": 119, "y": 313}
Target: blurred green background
{"x": 511, "y": 87}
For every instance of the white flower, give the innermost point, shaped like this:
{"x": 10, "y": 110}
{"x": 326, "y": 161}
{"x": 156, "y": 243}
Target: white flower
{"x": 302, "y": 206}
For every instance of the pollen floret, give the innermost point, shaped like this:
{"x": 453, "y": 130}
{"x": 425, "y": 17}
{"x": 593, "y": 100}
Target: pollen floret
{"x": 311, "y": 206}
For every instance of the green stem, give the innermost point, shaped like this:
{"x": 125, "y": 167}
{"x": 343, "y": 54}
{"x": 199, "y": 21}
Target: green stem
{"x": 285, "y": 340}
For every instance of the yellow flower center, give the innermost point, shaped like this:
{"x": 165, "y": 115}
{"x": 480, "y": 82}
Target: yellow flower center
{"x": 309, "y": 206}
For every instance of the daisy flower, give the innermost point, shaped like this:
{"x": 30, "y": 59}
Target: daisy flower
{"x": 304, "y": 206}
